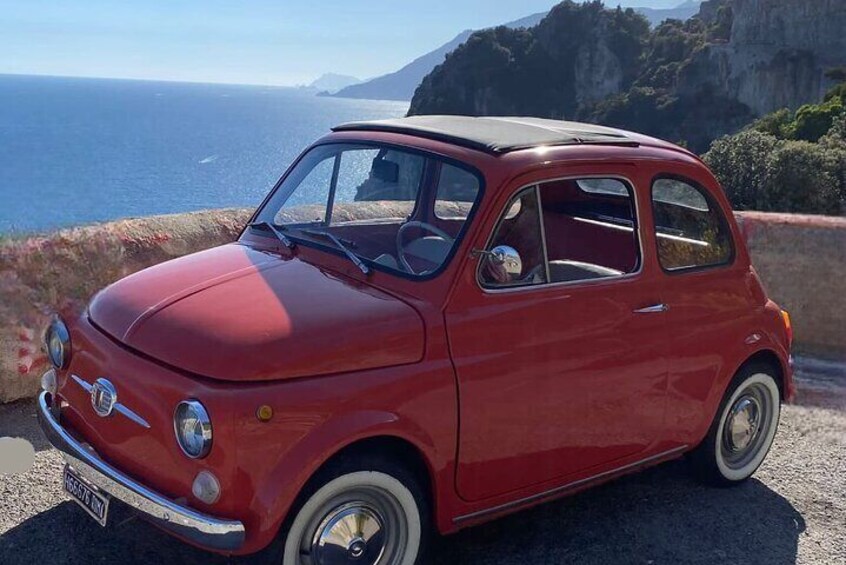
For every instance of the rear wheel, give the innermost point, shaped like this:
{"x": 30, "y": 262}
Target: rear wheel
{"x": 371, "y": 513}
{"x": 743, "y": 429}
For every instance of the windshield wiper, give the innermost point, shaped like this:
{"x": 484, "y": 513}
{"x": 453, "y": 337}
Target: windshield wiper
{"x": 353, "y": 257}
{"x": 275, "y": 231}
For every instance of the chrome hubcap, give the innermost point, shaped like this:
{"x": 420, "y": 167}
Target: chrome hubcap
{"x": 743, "y": 423}
{"x": 746, "y": 427}
{"x": 352, "y": 533}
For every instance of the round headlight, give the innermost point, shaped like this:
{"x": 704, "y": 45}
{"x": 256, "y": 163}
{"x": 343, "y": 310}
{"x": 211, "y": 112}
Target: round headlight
{"x": 58, "y": 344}
{"x": 193, "y": 429}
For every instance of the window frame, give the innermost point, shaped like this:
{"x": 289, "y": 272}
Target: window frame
{"x": 713, "y": 204}
{"x": 431, "y": 159}
{"x": 636, "y": 228}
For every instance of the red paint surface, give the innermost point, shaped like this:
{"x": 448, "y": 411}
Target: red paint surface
{"x": 294, "y": 319}
{"x": 550, "y": 385}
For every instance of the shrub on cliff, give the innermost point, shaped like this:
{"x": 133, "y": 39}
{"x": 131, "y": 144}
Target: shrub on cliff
{"x": 810, "y": 122}
{"x": 814, "y": 120}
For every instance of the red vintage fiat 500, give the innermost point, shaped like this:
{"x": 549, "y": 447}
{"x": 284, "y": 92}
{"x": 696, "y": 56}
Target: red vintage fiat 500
{"x": 430, "y": 322}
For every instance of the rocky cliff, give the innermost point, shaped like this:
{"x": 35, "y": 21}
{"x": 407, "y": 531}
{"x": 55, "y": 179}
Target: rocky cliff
{"x": 687, "y": 81}
{"x": 777, "y": 54}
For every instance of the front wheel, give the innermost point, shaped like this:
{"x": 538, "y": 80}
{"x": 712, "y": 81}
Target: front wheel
{"x": 743, "y": 429}
{"x": 374, "y": 515}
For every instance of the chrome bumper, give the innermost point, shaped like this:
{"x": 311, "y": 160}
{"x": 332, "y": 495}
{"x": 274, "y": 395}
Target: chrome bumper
{"x": 193, "y": 526}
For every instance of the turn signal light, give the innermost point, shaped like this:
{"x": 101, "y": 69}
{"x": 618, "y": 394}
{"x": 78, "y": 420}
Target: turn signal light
{"x": 785, "y": 318}
{"x": 206, "y": 487}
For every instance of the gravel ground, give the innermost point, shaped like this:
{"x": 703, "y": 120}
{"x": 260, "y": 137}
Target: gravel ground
{"x": 792, "y": 511}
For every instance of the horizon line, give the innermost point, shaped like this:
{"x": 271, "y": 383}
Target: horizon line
{"x": 166, "y": 80}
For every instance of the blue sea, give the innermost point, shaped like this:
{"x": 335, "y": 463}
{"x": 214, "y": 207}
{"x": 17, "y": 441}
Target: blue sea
{"x": 78, "y": 151}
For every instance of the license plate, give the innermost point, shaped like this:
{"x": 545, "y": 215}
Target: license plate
{"x": 93, "y": 501}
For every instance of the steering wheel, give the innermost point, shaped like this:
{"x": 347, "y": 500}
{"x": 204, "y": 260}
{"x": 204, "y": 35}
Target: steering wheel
{"x": 423, "y": 225}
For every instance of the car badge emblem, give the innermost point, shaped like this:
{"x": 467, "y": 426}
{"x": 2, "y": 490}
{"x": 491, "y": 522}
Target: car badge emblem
{"x": 103, "y": 397}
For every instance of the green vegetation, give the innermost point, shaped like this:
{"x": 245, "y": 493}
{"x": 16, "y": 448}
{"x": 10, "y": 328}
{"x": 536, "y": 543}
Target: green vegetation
{"x": 786, "y": 162}
{"x": 810, "y": 122}
{"x": 535, "y": 71}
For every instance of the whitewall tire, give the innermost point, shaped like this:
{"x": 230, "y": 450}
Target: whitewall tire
{"x": 363, "y": 517}
{"x": 743, "y": 429}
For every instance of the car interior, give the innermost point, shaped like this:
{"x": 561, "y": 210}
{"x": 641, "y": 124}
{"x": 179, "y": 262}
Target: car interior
{"x": 588, "y": 227}
{"x": 404, "y": 215}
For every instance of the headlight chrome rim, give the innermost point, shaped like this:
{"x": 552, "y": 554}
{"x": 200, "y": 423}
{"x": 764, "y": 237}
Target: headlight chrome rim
{"x": 57, "y": 343}
{"x": 204, "y": 422}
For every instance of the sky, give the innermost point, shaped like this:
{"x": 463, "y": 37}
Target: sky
{"x": 280, "y": 42}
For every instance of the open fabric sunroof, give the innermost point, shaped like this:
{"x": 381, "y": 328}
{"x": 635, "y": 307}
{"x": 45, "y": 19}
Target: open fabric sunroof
{"x": 496, "y": 135}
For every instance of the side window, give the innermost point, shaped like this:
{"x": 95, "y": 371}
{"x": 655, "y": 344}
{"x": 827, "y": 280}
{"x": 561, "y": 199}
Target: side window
{"x": 590, "y": 229}
{"x": 515, "y": 255}
{"x": 691, "y": 230}
{"x": 457, "y": 191}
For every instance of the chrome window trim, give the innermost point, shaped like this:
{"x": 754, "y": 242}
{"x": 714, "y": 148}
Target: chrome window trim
{"x": 587, "y": 282}
{"x": 569, "y": 486}
{"x": 120, "y": 408}
{"x": 544, "y": 247}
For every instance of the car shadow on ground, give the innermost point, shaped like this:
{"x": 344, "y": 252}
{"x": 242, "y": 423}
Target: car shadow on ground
{"x": 658, "y": 516}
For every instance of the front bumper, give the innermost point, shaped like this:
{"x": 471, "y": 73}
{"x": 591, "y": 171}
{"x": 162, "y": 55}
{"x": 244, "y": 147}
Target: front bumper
{"x": 200, "y": 529}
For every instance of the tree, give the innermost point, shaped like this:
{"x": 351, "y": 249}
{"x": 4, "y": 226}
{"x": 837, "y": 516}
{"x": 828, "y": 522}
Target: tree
{"x": 740, "y": 164}
{"x": 803, "y": 177}
{"x": 762, "y": 172}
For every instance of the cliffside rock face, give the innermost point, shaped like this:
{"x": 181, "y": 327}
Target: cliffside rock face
{"x": 777, "y": 55}
{"x": 598, "y": 72}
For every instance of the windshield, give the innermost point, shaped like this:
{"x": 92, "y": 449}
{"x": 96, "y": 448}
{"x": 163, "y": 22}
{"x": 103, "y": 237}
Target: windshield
{"x": 395, "y": 210}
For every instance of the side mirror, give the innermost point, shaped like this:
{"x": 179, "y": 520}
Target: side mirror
{"x": 505, "y": 260}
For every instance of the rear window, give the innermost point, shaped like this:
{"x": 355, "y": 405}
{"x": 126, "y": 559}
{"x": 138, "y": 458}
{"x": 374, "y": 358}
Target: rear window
{"x": 691, "y": 230}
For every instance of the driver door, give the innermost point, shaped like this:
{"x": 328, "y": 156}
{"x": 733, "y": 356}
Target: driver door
{"x": 559, "y": 376}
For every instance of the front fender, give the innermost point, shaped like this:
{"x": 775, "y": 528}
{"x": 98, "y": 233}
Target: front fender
{"x": 277, "y": 493}
{"x": 317, "y": 418}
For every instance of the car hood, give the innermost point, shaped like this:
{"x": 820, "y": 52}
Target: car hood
{"x": 238, "y": 314}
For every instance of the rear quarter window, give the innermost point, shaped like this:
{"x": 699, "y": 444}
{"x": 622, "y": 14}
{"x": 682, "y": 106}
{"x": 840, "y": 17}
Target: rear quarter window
{"x": 691, "y": 229}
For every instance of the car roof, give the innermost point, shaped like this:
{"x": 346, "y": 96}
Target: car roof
{"x": 499, "y": 135}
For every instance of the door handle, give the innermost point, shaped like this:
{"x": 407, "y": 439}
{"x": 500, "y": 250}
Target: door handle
{"x": 657, "y": 309}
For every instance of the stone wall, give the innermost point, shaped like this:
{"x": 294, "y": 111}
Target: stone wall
{"x": 802, "y": 260}
{"x": 39, "y": 275}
